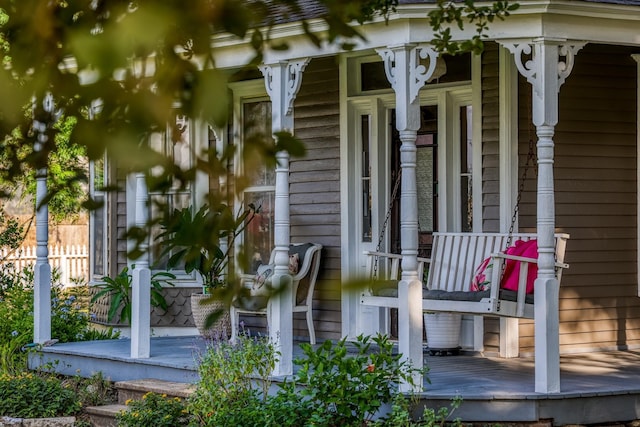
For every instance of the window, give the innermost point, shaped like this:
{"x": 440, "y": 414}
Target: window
{"x": 367, "y": 224}
{"x": 98, "y": 237}
{"x": 466, "y": 169}
{"x": 369, "y": 74}
{"x": 258, "y": 236}
{"x": 177, "y": 197}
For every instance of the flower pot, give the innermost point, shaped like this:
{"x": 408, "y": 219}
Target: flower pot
{"x": 220, "y": 329}
{"x": 443, "y": 332}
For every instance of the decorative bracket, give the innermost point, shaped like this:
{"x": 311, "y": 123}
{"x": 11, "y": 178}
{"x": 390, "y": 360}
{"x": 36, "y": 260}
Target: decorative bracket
{"x": 291, "y": 80}
{"x": 531, "y": 68}
{"x": 418, "y": 73}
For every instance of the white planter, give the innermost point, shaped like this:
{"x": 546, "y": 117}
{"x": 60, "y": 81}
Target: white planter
{"x": 443, "y": 331}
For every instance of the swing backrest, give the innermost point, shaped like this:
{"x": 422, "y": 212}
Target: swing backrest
{"x": 456, "y": 256}
{"x": 387, "y": 267}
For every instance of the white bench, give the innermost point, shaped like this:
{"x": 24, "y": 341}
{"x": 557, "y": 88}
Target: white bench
{"x": 451, "y": 268}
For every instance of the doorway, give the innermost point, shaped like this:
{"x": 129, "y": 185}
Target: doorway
{"x": 426, "y": 180}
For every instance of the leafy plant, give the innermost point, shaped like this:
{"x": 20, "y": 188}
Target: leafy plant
{"x": 234, "y": 382}
{"x": 432, "y": 417}
{"x": 119, "y": 289}
{"x": 449, "y": 14}
{"x": 335, "y": 386}
{"x": 11, "y": 232}
{"x": 12, "y": 361}
{"x": 91, "y": 334}
{"x": 67, "y": 168}
{"x": 93, "y": 391}
{"x": 400, "y": 415}
{"x": 203, "y": 240}
{"x": 154, "y": 409}
{"x": 69, "y": 317}
{"x": 346, "y": 389}
{"x": 34, "y": 396}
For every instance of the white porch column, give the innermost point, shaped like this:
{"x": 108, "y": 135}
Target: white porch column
{"x": 546, "y": 73}
{"x": 42, "y": 269}
{"x": 141, "y": 282}
{"x": 407, "y": 75}
{"x": 282, "y": 81}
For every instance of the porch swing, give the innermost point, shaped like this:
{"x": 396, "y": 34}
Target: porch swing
{"x": 470, "y": 273}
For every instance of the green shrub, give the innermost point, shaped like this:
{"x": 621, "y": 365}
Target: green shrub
{"x": 340, "y": 387}
{"x": 154, "y": 410}
{"x": 234, "y": 381}
{"x": 93, "y": 391}
{"x": 341, "y": 384}
{"x": 34, "y": 396}
{"x": 69, "y": 316}
{"x": 336, "y": 385}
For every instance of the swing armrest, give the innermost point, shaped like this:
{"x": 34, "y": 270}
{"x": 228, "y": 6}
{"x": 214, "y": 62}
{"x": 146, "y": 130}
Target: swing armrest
{"x": 515, "y": 257}
{"x": 526, "y": 259}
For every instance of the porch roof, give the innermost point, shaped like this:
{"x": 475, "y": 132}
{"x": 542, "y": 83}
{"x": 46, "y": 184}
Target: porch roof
{"x": 591, "y": 21}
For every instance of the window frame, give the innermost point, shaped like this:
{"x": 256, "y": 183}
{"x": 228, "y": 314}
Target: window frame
{"x": 245, "y": 92}
{"x": 108, "y": 236}
{"x": 198, "y": 141}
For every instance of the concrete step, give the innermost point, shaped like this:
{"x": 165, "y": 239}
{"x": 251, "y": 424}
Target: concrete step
{"x": 104, "y": 416}
{"x": 135, "y": 389}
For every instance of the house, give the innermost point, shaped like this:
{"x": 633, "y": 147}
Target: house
{"x": 561, "y": 74}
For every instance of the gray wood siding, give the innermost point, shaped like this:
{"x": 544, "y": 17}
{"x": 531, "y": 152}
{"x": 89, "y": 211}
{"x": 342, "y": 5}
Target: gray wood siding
{"x": 490, "y": 162}
{"x": 490, "y": 139}
{"x": 315, "y": 189}
{"x": 121, "y": 224}
{"x": 596, "y": 201}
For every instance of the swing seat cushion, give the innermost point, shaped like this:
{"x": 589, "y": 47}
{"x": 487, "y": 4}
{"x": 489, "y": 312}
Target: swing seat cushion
{"x": 505, "y": 294}
{"x": 389, "y": 288}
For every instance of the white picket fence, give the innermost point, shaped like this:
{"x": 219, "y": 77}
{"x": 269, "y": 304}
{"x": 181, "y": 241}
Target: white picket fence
{"x": 71, "y": 261}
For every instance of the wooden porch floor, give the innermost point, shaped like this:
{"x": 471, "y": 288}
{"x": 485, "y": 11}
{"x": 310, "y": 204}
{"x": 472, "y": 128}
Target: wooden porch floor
{"x": 595, "y": 387}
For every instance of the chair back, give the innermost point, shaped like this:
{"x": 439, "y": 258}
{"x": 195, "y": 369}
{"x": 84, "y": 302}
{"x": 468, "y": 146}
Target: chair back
{"x": 304, "y": 281}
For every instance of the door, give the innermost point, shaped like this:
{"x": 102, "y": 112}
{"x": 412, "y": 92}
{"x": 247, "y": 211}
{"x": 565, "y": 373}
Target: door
{"x": 426, "y": 180}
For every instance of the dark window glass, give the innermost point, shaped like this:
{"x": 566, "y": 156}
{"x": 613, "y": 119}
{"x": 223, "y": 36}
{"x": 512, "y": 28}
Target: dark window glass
{"x": 373, "y": 76}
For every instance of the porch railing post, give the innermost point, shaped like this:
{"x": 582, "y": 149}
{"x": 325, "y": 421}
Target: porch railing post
{"x": 141, "y": 282}
{"x": 406, "y": 73}
{"x": 546, "y": 72}
{"x": 42, "y": 269}
{"x": 282, "y": 81}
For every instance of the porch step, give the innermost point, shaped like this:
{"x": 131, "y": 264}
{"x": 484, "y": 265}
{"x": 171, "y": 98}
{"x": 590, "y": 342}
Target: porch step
{"x": 135, "y": 389}
{"x": 105, "y": 416}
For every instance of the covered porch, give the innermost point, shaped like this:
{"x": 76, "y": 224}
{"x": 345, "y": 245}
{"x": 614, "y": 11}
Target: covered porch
{"x": 597, "y": 387}
{"x": 545, "y": 63}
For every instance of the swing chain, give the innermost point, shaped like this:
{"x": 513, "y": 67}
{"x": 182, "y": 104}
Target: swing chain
{"x": 530, "y": 160}
{"x": 394, "y": 193}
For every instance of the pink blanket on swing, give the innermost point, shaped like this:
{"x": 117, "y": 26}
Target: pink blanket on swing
{"x": 527, "y": 249}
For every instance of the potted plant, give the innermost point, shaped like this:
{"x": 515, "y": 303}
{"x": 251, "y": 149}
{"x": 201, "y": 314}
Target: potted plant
{"x": 118, "y": 289}
{"x": 202, "y": 241}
